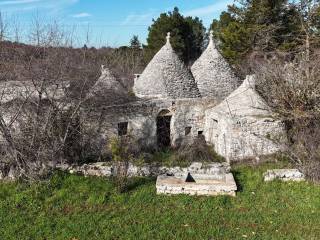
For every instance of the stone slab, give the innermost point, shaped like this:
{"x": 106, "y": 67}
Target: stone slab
{"x": 284, "y": 175}
{"x": 172, "y": 185}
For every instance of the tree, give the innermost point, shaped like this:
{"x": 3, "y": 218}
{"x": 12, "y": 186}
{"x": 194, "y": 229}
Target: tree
{"x": 309, "y": 14}
{"x": 234, "y": 37}
{"x": 194, "y": 45}
{"x": 135, "y": 43}
{"x": 257, "y": 26}
{"x": 187, "y": 35}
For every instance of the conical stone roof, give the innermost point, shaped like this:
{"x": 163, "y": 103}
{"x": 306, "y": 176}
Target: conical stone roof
{"x": 214, "y": 77}
{"x": 166, "y": 76}
{"x": 244, "y": 101}
{"x": 108, "y": 87}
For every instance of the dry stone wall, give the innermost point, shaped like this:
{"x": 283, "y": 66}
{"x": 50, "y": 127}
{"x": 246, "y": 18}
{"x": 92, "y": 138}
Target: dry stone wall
{"x": 142, "y": 116}
{"x": 106, "y": 169}
{"x": 246, "y": 138}
{"x": 242, "y": 126}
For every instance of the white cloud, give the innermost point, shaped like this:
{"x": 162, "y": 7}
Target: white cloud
{"x": 29, "y": 5}
{"x": 82, "y": 15}
{"x": 139, "y": 19}
{"x": 17, "y": 2}
{"x": 209, "y": 10}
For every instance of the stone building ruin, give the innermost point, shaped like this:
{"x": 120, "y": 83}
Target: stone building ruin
{"x": 174, "y": 104}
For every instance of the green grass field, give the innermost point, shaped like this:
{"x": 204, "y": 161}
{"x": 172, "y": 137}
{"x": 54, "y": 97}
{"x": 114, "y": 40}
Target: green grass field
{"x": 75, "y": 207}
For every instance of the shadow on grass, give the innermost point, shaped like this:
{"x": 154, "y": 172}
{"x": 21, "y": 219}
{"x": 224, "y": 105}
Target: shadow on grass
{"x": 237, "y": 178}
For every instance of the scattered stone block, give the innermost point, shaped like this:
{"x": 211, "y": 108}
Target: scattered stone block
{"x": 284, "y": 175}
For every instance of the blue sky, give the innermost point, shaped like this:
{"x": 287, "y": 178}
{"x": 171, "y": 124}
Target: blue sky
{"x": 110, "y": 22}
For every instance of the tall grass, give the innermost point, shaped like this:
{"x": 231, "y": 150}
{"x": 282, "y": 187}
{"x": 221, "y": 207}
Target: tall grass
{"x": 77, "y": 207}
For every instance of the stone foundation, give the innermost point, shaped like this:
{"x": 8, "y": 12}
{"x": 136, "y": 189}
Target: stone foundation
{"x": 106, "y": 169}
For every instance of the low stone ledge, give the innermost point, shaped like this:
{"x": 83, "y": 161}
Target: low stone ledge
{"x": 284, "y": 175}
{"x": 105, "y": 169}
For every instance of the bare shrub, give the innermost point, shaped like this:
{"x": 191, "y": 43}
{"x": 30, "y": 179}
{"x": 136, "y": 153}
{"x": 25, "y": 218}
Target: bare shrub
{"x": 42, "y": 91}
{"x": 197, "y": 151}
{"x": 123, "y": 151}
{"x": 293, "y": 91}
{"x": 39, "y": 113}
{"x": 304, "y": 150}
{"x": 44, "y": 97}
{"x": 125, "y": 62}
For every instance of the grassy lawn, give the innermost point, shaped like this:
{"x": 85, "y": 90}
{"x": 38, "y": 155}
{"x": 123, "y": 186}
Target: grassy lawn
{"x": 75, "y": 207}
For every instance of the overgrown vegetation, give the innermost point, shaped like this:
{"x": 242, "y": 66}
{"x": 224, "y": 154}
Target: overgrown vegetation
{"x": 195, "y": 151}
{"x": 76, "y": 207}
{"x": 279, "y": 42}
{"x": 44, "y": 86}
{"x": 123, "y": 151}
{"x": 293, "y": 92}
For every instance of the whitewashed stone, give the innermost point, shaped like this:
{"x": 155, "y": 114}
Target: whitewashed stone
{"x": 198, "y": 179}
{"x": 195, "y": 166}
{"x": 62, "y": 166}
{"x": 12, "y": 175}
{"x": 284, "y": 175}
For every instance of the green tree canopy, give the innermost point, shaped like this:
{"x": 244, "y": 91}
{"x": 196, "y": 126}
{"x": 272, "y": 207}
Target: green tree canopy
{"x": 265, "y": 26}
{"x": 187, "y": 35}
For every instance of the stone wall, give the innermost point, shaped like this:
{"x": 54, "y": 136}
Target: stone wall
{"x": 106, "y": 169}
{"x": 239, "y": 138}
{"x": 243, "y": 126}
{"x": 141, "y": 117}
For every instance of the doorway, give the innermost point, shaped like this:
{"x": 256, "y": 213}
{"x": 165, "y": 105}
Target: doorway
{"x": 163, "y": 129}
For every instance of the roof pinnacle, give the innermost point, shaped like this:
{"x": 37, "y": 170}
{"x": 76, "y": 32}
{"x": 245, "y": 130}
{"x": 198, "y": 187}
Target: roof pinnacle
{"x": 168, "y": 37}
{"x": 211, "y": 35}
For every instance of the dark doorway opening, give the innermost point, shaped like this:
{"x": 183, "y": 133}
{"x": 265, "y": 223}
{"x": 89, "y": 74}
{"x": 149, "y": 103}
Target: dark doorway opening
{"x": 163, "y": 131}
{"x": 122, "y": 128}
